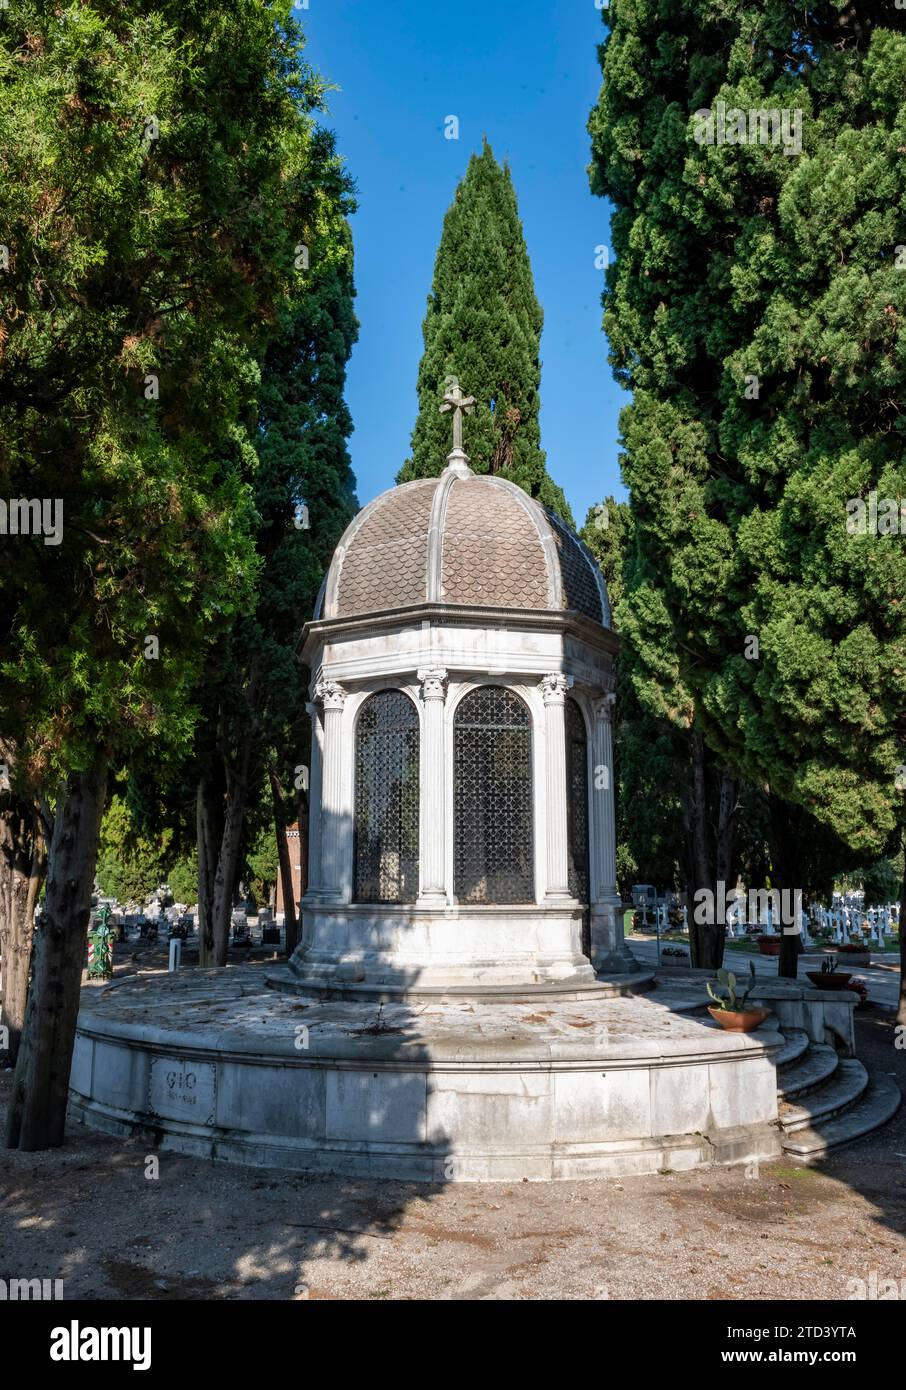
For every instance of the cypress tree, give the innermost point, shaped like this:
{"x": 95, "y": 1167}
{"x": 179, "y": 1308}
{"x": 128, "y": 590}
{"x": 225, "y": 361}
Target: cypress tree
{"x": 755, "y": 308}
{"x": 156, "y": 181}
{"x": 255, "y": 733}
{"x": 483, "y": 326}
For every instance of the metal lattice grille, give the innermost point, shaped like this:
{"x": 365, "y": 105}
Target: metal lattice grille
{"x": 577, "y": 813}
{"x": 386, "y": 800}
{"x": 493, "y": 836}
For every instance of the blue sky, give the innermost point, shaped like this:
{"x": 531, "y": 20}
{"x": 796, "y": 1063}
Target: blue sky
{"x": 526, "y": 75}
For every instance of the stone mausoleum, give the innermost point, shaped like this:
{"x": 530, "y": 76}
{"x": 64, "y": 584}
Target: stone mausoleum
{"x": 462, "y": 1006}
{"x": 462, "y": 826}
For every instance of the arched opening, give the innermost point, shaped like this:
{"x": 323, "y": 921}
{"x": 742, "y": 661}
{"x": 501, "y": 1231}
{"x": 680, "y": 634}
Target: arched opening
{"x": 386, "y": 800}
{"x": 493, "y": 830}
{"x": 577, "y": 814}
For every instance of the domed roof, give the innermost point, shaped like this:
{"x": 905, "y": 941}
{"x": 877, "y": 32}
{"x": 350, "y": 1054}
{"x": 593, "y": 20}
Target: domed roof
{"x": 463, "y": 538}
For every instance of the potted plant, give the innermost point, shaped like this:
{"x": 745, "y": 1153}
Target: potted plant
{"x": 769, "y": 945}
{"x": 829, "y": 977}
{"x": 729, "y": 1010}
{"x": 674, "y": 955}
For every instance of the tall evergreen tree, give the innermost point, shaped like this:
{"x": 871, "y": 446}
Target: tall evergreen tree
{"x": 677, "y": 808}
{"x": 483, "y": 326}
{"x": 155, "y": 185}
{"x": 255, "y": 732}
{"x": 755, "y": 307}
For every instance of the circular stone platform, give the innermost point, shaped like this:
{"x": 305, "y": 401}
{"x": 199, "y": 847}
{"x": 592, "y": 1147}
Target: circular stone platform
{"x": 216, "y": 1064}
{"x": 571, "y": 988}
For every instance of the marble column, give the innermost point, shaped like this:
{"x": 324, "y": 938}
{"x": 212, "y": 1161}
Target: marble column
{"x": 605, "y": 816}
{"x": 553, "y": 690}
{"x": 314, "y": 803}
{"x": 432, "y": 888}
{"x": 609, "y": 952}
{"x": 332, "y": 697}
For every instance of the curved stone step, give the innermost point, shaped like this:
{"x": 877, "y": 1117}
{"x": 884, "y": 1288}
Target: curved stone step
{"x": 841, "y": 1090}
{"x": 796, "y": 1044}
{"x": 879, "y": 1102}
{"x": 813, "y": 1067}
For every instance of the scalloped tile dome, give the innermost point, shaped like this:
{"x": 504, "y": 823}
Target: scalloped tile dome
{"x": 463, "y": 538}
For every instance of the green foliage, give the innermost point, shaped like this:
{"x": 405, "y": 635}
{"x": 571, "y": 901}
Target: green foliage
{"x": 736, "y": 261}
{"x": 182, "y": 878}
{"x": 880, "y": 881}
{"x": 483, "y": 326}
{"x": 253, "y": 694}
{"x": 131, "y": 865}
{"x": 263, "y": 863}
{"x": 137, "y": 251}
{"x": 651, "y": 756}
{"x": 304, "y": 424}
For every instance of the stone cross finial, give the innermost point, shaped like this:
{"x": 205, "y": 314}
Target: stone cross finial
{"x": 454, "y": 400}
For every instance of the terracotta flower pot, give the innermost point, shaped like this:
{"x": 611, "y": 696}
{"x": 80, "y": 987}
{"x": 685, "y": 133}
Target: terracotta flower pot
{"x": 739, "y": 1020}
{"x": 769, "y": 945}
{"x": 838, "y": 980}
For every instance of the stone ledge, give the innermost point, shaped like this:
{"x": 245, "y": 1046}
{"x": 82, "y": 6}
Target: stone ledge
{"x": 594, "y": 987}
{"x": 587, "y": 1031}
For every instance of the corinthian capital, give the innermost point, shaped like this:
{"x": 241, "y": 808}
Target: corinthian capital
{"x": 434, "y": 683}
{"x": 330, "y": 694}
{"x": 604, "y": 707}
{"x": 554, "y": 688}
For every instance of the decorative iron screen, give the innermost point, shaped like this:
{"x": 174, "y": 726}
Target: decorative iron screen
{"x": 386, "y": 800}
{"x": 493, "y": 833}
{"x": 577, "y": 813}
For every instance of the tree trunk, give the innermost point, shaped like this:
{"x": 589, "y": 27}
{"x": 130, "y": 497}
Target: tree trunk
{"x": 901, "y": 1010}
{"x": 209, "y": 834}
{"x": 786, "y": 874}
{"x": 37, "y": 1116}
{"x": 788, "y": 960}
{"x": 228, "y": 858}
{"x": 724, "y": 860}
{"x": 291, "y": 925}
{"x": 22, "y": 868}
{"x": 728, "y": 807}
{"x": 706, "y": 939}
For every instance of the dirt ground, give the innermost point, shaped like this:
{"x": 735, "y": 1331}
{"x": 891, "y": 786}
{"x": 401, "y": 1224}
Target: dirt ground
{"x": 89, "y": 1214}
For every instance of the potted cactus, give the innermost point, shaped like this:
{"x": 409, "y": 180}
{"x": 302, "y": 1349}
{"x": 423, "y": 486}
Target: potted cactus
{"x": 829, "y": 977}
{"x": 729, "y": 1010}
